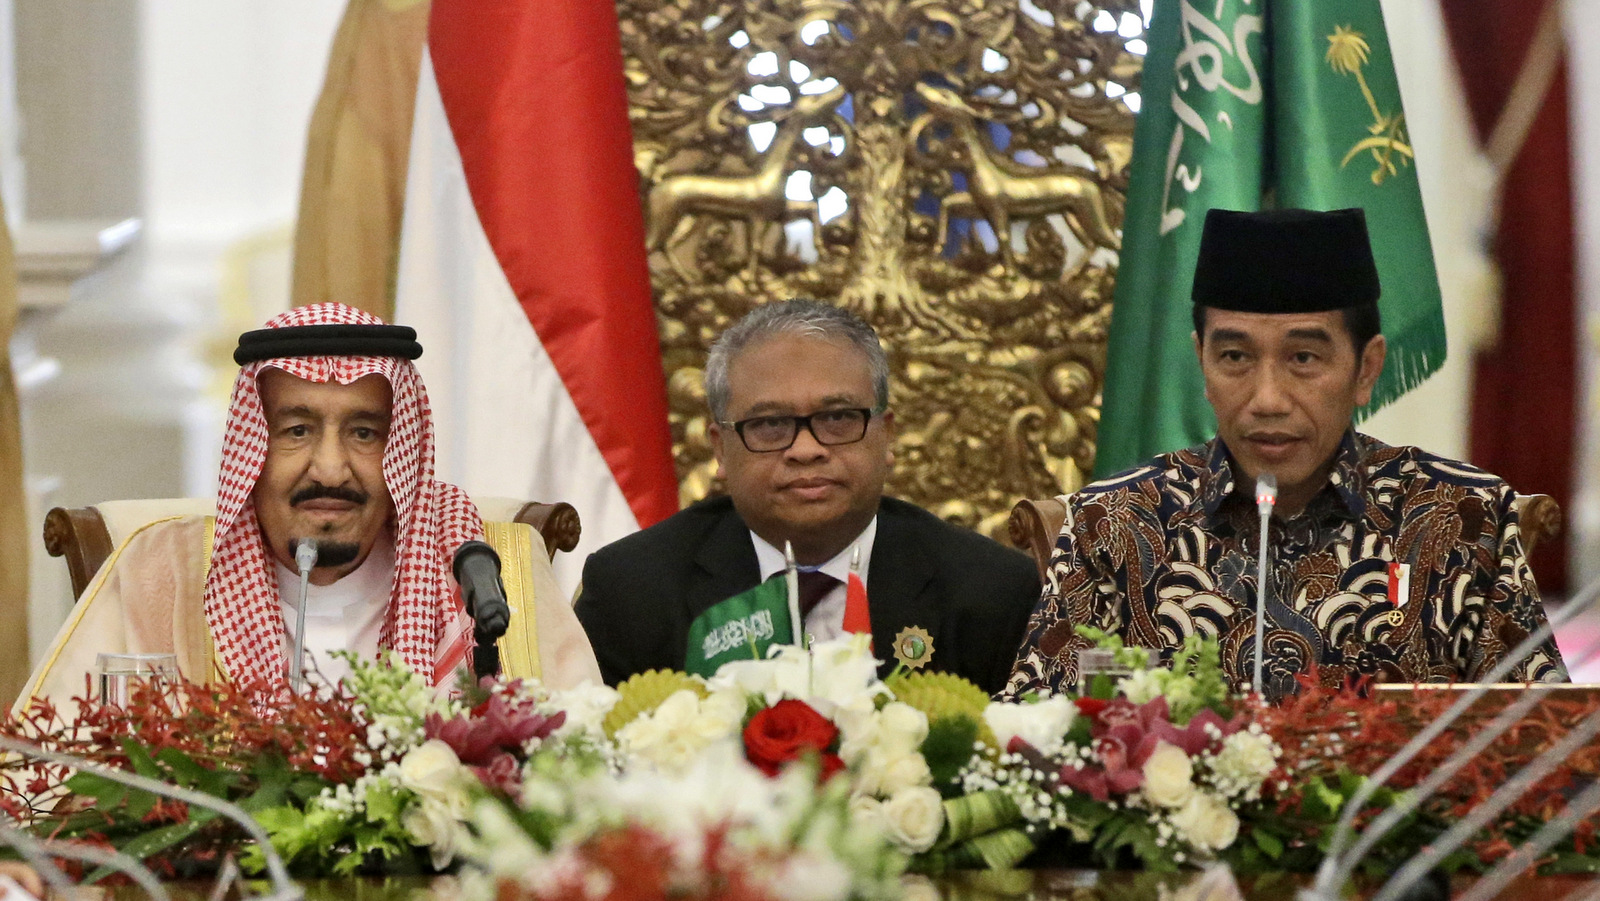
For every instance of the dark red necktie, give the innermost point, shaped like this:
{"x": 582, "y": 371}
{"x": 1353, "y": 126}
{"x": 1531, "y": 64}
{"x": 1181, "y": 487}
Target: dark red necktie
{"x": 814, "y": 586}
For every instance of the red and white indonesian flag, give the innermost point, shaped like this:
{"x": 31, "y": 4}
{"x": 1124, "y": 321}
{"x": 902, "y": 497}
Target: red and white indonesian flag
{"x": 522, "y": 267}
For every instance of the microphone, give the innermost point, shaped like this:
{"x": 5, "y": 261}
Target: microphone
{"x": 1344, "y": 854}
{"x": 305, "y": 559}
{"x": 37, "y": 853}
{"x": 1266, "y": 499}
{"x": 477, "y": 570}
{"x": 283, "y": 888}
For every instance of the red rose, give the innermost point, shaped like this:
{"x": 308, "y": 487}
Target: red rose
{"x": 1091, "y": 706}
{"x": 786, "y": 730}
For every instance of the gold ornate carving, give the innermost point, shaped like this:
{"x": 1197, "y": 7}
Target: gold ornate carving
{"x": 867, "y": 153}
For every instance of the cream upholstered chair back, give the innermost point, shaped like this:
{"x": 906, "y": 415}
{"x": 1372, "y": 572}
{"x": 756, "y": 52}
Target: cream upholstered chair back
{"x": 1035, "y": 524}
{"x": 86, "y": 536}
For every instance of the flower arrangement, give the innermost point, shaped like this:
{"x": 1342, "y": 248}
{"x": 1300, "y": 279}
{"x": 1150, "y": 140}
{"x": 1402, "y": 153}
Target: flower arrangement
{"x": 801, "y": 775}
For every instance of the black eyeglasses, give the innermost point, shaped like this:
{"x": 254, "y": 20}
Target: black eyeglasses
{"x": 767, "y": 434}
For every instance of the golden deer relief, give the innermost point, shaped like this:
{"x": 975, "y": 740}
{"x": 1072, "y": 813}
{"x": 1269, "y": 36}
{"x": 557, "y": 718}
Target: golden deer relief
{"x": 952, "y": 170}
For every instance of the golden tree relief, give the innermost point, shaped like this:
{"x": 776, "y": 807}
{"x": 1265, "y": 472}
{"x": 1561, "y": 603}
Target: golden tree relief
{"x": 954, "y": 171}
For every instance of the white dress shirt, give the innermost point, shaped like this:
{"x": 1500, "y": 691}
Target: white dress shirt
{"x": 826, "y": 620}
{"x": 345, "y": 616}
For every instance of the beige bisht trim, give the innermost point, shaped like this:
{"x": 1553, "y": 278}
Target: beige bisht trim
{"x": 146, "y": 598}
{"x": 519, "y": 647}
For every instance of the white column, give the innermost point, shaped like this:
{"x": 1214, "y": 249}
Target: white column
{"x": 1583, "y": 76}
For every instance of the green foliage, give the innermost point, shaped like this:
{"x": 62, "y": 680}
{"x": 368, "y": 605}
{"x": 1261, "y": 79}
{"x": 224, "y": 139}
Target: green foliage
{"x": 1192, "y": 682}
{"x": 947, "y": 749}
{"x": 139, "y": 824}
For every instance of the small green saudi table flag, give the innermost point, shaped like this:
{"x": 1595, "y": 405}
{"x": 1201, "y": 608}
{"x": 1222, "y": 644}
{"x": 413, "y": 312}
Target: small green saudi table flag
{"x": 740, "y": 628}
{"x": 1254, "y": 105}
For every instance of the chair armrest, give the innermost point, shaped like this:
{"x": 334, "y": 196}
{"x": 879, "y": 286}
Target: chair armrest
{"x": 556, "y": 523}
{"x": 80, "y": 535}
{"x": 1033, "y": 527}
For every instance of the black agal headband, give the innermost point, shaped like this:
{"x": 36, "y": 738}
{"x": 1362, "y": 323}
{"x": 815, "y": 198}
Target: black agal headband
{"x": 1285, "y": 261}
{"x": 328, "y": 341}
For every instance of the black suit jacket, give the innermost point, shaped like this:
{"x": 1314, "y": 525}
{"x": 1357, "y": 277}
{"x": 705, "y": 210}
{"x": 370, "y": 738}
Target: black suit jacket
{"x": 974, "y": 596}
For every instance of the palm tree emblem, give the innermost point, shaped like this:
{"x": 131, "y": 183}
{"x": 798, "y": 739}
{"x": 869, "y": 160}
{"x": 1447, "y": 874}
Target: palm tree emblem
{"x": 1387, "y": 140}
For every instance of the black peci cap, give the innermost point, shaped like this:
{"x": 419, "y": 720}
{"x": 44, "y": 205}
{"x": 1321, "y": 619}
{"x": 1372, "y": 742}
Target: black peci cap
{"x": 1285, "y": 261}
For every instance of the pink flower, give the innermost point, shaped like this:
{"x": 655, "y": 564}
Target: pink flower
{"x": 503, "y": 774}
{"x": 493, "y": 727}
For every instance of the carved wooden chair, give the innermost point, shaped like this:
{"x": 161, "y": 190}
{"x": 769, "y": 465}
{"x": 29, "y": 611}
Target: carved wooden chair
{"x": 85, "y": 536}
{"x": 1034, "y": 524}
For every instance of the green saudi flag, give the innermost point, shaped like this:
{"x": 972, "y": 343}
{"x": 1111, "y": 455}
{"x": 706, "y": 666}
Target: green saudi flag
{"x": 1252, "y": 105}
{"x": 740, "y": 628}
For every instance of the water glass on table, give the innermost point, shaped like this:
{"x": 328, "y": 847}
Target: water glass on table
{"x": 116, "y": 673}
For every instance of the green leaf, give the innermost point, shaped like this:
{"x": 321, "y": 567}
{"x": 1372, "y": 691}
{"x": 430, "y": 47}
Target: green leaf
{"x": 141, "y": 761}
{"x": 108, "y": 795}
{"x": 1270, "y": 844}
{"x": 1571, "y": 862}
{"x": 149, "y": 843}
{"x": 140, "y": 803}
{"x": 187, "y": 773}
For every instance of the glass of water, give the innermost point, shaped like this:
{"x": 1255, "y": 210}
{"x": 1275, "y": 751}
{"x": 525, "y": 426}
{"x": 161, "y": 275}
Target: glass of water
{"x": 1103, "y": 662}
{"x": 115, "y": 673}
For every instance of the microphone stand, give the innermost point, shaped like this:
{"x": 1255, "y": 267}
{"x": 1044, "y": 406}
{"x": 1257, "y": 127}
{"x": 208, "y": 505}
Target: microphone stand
{"x": 1337, "y": 866}
{"x": 33, "y": 852}
{"x": 1266, "y": 499}
{"x": 791, "y": 573}
{"x": 1578, "y": 809}
{"x": 38, "y": 853}
{"x": 305, "y": 559}
{"x": 1464, "y": 829}
{"x": 283, "y": 888}
{"x": 1480, "y": 741}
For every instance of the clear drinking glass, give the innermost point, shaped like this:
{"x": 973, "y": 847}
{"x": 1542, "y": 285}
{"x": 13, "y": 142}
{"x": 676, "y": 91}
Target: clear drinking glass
{"x": 117, "y": 672}
{"x": 1103, "y": 661}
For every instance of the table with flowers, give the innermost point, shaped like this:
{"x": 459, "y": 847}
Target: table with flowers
{"x": 801, "y": 776}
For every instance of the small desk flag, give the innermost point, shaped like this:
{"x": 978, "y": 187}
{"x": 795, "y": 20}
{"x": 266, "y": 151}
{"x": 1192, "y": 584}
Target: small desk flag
{"x": 739, "y": 628}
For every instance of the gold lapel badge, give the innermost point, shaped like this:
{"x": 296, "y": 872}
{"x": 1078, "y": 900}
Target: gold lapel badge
{"x": 913, "y": 647}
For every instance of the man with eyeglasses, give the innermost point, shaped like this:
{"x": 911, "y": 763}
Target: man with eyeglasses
{"x": 803, "y": 436}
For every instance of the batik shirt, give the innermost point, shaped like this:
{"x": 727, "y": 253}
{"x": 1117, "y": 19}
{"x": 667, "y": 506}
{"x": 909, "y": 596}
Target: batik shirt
{"x": 1170, "y": 549}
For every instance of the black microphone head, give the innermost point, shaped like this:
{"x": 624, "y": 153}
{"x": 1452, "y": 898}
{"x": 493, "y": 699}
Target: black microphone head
{"x": 469, "y": 550}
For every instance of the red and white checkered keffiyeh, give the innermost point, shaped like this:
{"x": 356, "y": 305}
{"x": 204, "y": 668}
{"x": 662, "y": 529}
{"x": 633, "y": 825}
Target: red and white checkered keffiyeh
{"x": 426, "y": 623}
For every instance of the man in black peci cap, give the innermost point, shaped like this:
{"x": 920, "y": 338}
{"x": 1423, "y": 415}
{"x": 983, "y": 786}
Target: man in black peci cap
{"x": 1388, "y": 562}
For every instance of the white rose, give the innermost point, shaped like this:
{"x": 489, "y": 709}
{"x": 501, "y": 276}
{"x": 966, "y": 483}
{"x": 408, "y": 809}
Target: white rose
{"x": 431, "y": 824}
{"x": 867, "y": 811}
{"x": 915, "y": 817}
{"x": 901, "y": 727}
{"x": 858, "y": 733}
{"x": 884, "y": 775}
{"x": 432, "y": 770}
{"x": 1168, "y": 776}
{"x": 1043, "y": 725}
{"x": 1206, "y": 823}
